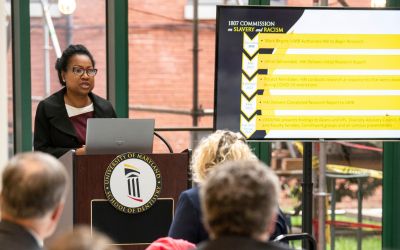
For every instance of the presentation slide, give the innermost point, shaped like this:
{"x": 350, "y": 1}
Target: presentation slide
{"x": 308, "y": 73}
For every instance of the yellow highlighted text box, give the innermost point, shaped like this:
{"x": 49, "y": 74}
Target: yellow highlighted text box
{"x": 328, "y": 102}
{"x": 331, "y": 41}
{"x": 328, "y": 123}
{"x": 293, "y": 61}
{"x": 329, "y": 82}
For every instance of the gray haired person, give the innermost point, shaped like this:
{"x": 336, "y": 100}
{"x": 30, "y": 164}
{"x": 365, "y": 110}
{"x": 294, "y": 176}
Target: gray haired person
{"x": 239, "y": 200}
{"x": 32, "y": 200}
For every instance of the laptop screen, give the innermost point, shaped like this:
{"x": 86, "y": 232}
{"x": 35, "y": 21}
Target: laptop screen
{"x": 119, "y": 135}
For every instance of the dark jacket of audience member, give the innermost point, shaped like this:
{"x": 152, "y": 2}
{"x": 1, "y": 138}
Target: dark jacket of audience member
{"x": 16, "y": 237}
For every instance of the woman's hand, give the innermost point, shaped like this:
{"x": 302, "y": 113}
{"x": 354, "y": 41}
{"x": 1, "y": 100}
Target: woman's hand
{"x": 81, "y": 151}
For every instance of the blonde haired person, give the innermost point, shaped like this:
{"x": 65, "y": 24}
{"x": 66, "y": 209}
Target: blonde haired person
{"x": 219, "y": 147}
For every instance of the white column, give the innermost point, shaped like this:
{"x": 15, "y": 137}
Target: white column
{"x": 3, "y": 87}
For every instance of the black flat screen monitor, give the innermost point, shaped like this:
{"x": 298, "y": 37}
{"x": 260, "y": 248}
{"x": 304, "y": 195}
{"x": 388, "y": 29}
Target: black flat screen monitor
{"x": 284, "y": 73}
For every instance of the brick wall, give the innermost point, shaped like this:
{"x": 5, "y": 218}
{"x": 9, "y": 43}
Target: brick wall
{"x": 161, "y": 72}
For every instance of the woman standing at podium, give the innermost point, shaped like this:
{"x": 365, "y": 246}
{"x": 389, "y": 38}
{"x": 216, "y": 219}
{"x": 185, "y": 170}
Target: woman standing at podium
{"x": 219, "y": 147}
{"x": 60, "y": 122}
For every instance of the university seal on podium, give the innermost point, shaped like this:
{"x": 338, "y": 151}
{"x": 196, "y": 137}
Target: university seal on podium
{"x": 132, "y": 182}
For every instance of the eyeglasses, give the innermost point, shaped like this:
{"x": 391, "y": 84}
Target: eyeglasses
{"x": 79, "y": 71}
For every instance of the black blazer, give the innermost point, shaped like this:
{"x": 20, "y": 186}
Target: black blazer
{"x": 54, "y": 132}
{"x": 15, "y": 237}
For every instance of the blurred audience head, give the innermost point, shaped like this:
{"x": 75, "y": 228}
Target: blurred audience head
{"x": 34, "y": 190}
{"x": 83, "y": 238}
{"x": 168, "y": 243}
{"x": 218, "y": 147}
{"x": 240, "y": 198}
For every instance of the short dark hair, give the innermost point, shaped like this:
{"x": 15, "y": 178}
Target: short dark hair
{"x": 34, "y": 183}
{"x": 71, "y": 50}
{"x": 239, "y": 198}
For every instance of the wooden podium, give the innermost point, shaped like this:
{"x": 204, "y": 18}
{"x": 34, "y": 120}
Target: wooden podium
{"x": 130, "y": 231}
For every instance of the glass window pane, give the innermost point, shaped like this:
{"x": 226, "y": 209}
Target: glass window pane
{"x": 161, "y": 68}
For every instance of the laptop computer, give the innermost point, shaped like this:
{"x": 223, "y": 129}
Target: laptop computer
{"x": 119, "y": 135}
